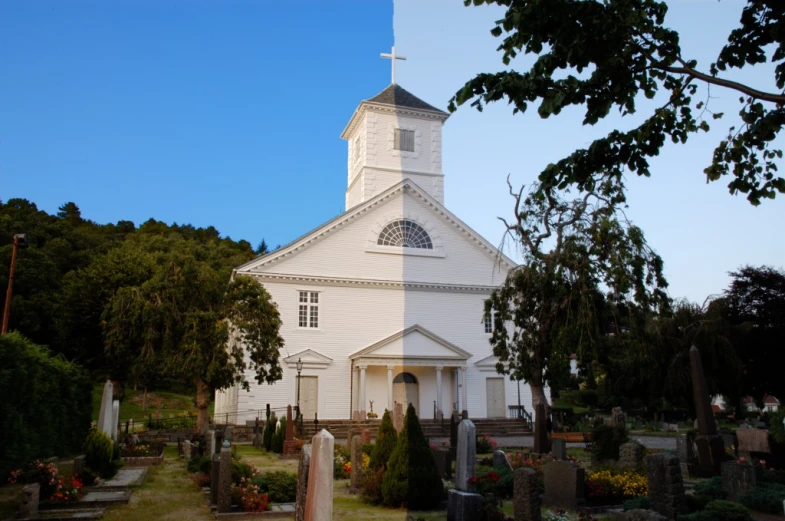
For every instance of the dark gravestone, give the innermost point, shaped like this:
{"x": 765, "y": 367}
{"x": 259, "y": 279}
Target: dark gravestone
{"x": 666, "y": 488}
{"x": 559, "y": 449}
{"x": 753, "y": 442}
{"x": 30, "y": 498}
{"x": 443, "y": 463}
{"x": 710, "y": 447}
{"x": 688, "y": 458}
{"x": 356, "y": 474}
{"x": 454, "y": 421}
{"x": 463, "y": 506}
{"x": 225, "y": 481}
{"x": 631, "y": 456}
{"x": 215, "y": 474}
{"x": 302, "y": 482}
{"x": 541, "y": 445}
{"x": 500, "y": 461}
{"x": 564, "y": 484}
{"x": 79, "y": 465}
{"x": 526, "y": 496}
{"x": 219, "y": 440}
{"x": 738, "y": 479}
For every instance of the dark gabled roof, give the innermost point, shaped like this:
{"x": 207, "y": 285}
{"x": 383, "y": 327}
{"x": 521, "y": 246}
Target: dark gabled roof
{"x": 400, "y": 97}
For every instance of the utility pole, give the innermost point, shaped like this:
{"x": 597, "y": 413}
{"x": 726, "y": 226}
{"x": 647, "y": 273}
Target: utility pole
{"x": 20, "y": 241}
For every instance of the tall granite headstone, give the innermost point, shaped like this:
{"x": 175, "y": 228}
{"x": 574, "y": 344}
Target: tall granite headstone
{"x": 666, "y": 488}
{"x": 215, "y": 477}
{"x": 289, "y": 443}
{"x": 105, "y": 413}
{"x": 319, "y": 497}
{"x": 631, "y": 456}
{"x": 541, "y": 445}
{"x": 302, "y": 482}
{"x": 738, "y": 479}
{"x": 526, "y": 496}
{"x": 115, "y": 418}
{"x": 559, "y": 449}
{"x": 463, "y": 504}
{"x": 710, "y": 446}
{"x": 225, "y": 481}
{"x": 356, "y": 453}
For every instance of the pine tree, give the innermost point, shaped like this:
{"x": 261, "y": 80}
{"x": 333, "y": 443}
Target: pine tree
{"x": 386, "y": 441}
{"x": 269, "y": 431}
{"x": 412, "y": 479}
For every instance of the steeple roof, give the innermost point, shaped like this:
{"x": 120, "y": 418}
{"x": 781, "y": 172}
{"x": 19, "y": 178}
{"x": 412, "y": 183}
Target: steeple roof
{"x": 398, "y": 96}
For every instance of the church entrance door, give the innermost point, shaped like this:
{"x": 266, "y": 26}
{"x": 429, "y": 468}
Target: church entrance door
{"x": 494, "y": 389}
{"x": 309, "y": 395}
{"x": 406, "y": 391}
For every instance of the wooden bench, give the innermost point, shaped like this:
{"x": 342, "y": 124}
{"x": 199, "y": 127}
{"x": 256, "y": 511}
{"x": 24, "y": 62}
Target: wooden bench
{"x": 574, "y": 437}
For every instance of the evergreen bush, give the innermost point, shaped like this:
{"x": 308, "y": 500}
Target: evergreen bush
{"x": 766, "y": 497}
{"x": 100, "y": 454}
{"x": 45, "y": 404}
{"x": 278, "y": 438}
{"x": 719, "y": 510}
{"x": 199, "y": 464}
{"x": 607, "y": 440}
{"x": 412, "y": 479}
{"x": 385, "y": 443}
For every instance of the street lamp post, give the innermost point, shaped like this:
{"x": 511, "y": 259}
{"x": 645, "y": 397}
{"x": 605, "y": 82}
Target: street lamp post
{"x": 299, "y": 370}
{"x": 20, "y": 241}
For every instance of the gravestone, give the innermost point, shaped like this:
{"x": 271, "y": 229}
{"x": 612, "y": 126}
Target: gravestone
{"x": 466, "y": 456}
{"x": 564, "y": 485}
{"x": 215, "y": 474}
{"x": 617, "y": 417}
{"x": 218, "y": 441}
{"x": 398, "y": 417}
{"x": 454, "y": 421}
{"x": 319, "y": 496}
{"x": 302, "y": 482}
{"x": 366, "y": 436}
{"x": 225, "y": 481}
{"x": 349, "y": 436}
{"x": 738, "y": 479}
{"x": 228, "y": 435}
{"x": 541, "y": 445}
{"x": 753, "y": 441}
{"x": 105, "y": 413}
{"x": 526, "y": 496}
{"x": 210, "y": 440}
{"x": 289, "y": 447}
{"x": 115, "y": 418}
{"x": 559, "y": 449}
{"x": 30, "y": 498}
{"x": 688, "y": 459}
{"x": 79, "y": 465}
{"x": 443, "y": 463}
{"x": 356, "y": 474}
{"x": 500, "y": 461}
{"x": 462, "y": 503}
{"x": 710, "y": 447}
{"x": 187, "y": 449}
{"x": 666, "y": 488}
{"x": 631, "y": 456}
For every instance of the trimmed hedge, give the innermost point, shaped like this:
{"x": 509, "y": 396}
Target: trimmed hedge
{"x": 385, "y": 443}
{"x": 45, "y": 404}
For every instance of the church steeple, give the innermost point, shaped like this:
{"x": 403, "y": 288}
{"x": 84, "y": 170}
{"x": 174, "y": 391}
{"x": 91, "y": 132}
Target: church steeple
{"x": 393, "y": 136}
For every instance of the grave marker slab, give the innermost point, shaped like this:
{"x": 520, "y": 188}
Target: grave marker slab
{"x": 319, "y": 497}
{"x": 105, "y": 413}
{"x": 500, "y": 461}
{"x": 356, "y": 474}
{"x": 526, "y": 496}
{"x": 710, "y": 447}
{"x": 631, "y": 456}
{"x": 738, "y": 479}
{"x": 225, "y": 481}
{"x": 466, "y": 456}
{"x": 303, "y": 468}
{"x": 666, "y": 488}
{"x": 559, "y": 449}
{"x": 753, "y": 441}
{"x": 30, "y": 498}
{"x": 463, "y": 506}
{"x": 564, "y": 485}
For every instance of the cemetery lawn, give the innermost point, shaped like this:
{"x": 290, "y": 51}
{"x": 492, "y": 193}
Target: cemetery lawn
{"x": 168, "y": 493}
{"x": 131, "y": 407}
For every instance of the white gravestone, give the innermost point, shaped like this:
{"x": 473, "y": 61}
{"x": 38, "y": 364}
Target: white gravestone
{"x": 105, "y": 414}
{"x": 466, "y": 456}
{"x": 115, "y": 418}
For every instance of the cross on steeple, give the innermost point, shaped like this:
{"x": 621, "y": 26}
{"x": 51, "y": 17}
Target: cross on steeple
{"x": 392, "y": 57}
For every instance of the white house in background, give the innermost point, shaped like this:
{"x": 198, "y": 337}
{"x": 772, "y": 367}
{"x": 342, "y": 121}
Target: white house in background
{"x": 770, "y": 404}
{"x": 384, "y": 303}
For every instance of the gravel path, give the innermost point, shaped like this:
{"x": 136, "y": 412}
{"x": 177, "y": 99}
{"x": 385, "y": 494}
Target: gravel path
{"x": 650, "y": 442}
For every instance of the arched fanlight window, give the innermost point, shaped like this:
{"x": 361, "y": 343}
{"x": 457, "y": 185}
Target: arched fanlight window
{"x": 405, "y": 378}
{"x": 406, "y": 234}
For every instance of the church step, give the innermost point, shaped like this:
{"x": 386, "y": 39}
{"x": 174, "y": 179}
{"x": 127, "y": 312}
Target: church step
{"x": 494, "y": 427}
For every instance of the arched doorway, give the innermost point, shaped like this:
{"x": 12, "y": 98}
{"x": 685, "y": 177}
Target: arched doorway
{"x": 406, "y": 391}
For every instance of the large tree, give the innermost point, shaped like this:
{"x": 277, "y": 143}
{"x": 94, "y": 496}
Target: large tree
{"x": 581, "y": 258}
{"x": 186, "y": 323}
{"x": 606, "y": 55}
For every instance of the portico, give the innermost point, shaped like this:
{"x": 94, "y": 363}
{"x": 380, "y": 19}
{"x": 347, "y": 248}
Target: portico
{"x": 411, "y": 366}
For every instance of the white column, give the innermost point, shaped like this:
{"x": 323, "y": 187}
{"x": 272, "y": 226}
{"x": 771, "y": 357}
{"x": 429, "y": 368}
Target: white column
{"x": 439, "y": 408}
{"x": 362, "y": 392}
{"x": 355, "y": 393}
{"x": 459, "y": 381}
{"x": 465, "y": 399}
{"x": 390, "y": 388}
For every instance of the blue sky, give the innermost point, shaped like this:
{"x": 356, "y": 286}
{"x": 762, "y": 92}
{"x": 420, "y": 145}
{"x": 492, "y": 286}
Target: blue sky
{"x": 229, "y": 114}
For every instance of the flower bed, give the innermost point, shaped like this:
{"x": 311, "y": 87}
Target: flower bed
{"x": 611, "y": 487}
{"x": 55, "y": 489}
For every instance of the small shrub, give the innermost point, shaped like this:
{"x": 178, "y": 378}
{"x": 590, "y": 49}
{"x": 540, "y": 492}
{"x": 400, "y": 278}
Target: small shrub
{"x": 371, "y": 489}
{"x": 367, "y": 449}
{"x": 766, "y": 497}
{"x": 607, "y": 440}
{"x": 638, "y": 503}
{"x": 199, "y": 464}
{"x": 201, "y": 479}
{"x": 99, "y": 450}
{"x": 485, "y": 444}
{"x": 268, "y": 432}
{"x": 281, "y": 486}
{"x": 711, "y": 488}
{"x": 88, "y": 477}
{"x": 722, "y": 510}
{"x": 385, "y": 443}
{"x": 242, "y": 471}
{"x": 278, "y": 438}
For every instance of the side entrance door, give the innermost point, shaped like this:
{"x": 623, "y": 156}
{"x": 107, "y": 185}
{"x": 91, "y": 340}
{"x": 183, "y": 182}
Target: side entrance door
{"x": 494, "y": 391}
{"x": 309, "y": 396}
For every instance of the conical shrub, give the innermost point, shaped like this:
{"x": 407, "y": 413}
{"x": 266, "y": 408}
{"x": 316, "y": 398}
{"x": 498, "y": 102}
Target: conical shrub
{"x": 412, "y": 479}
{"x": 385, "y": 444}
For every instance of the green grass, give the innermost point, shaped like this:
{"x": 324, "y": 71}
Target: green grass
{"x": 168, "y": 493}
{"x": 171, "y": 404}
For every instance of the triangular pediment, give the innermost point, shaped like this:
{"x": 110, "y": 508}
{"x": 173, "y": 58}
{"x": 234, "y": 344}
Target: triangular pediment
{"x": 310, "y": 359}
{"x": 488, "y": 363}
{"x": 414, "y": 342}
{"x": 381, "y": 207}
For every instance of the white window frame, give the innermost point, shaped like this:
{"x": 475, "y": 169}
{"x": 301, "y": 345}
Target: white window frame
{"x": 488, "y": 324}
{"x": 399, "y": 141}
{"x": 308, "y": 301}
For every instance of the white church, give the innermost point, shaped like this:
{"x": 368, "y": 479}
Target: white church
{"x": 384, "y": 303}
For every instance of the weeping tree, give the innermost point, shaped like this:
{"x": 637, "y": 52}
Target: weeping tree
{"x": 186, "y": 323}
{"x": 585, "y": 269}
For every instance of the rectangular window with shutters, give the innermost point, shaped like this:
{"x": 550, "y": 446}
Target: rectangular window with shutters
{"x": 404, "y": 140}
{"x": 308, "y": 316}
